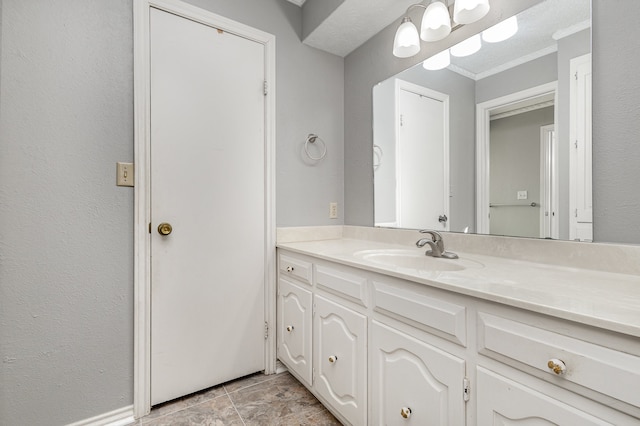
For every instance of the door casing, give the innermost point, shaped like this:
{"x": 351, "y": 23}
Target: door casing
{"x": 142, "y": 205}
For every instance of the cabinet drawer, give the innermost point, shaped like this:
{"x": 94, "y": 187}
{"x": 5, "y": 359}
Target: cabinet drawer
{"x": 401, "y": 303}
{"x": 295, "y": 268}
{"x": 596, "y": 367}
{"x": 351, "y": 286}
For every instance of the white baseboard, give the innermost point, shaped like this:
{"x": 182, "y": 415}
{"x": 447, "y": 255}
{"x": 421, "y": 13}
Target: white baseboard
{"x": 120, "y": 417}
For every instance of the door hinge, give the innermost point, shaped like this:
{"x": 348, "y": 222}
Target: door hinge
{"x": 313, "y": 376}
{"x": 266, "y": 87}
{"x": 575, "y": 75}
{"x": 576, "y": 213}
{"x": 576, "y": 144}
{"x": 466, "y": 389}
{"x": 313, "y": 310}
{"x": 401, "y": 120}
{"x": 149, "y": 227}
{"x": 266, "y": 330}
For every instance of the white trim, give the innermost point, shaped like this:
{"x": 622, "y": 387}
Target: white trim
{"x": 483, "y": 118}
{"x": 575, "y": 28}
{"x": 503, "y": 67}
{"x": 574, "y": 224}
{"x": 120, "y": 417}
{"x": 548, "y": 189}
{"x": 444, "y": 98}
{"x": 522, "y": 110}
{"x": 142, "y": 214}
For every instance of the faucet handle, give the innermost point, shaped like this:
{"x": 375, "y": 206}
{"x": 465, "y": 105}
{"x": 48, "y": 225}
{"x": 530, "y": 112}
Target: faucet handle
{"x": 435, "y": 235}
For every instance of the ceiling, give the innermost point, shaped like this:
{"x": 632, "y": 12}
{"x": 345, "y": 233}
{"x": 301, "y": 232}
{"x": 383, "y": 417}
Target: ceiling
{"x": 355, "y": 21}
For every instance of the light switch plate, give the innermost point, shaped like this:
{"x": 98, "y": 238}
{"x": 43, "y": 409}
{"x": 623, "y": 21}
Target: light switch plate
{"x": 522, "y": 195}
{"x": 124, "y": 174}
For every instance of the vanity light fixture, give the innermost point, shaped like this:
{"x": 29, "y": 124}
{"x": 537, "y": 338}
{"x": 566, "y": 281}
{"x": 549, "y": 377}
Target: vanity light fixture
{"x": 501, "y": 31}
{"x": 436, "y": 23}
{"x": 438, "y": 61}
{"x": 469, "y": 11}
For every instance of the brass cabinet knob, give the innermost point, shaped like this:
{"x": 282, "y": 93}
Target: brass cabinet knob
{"x": 405, "y": 412}
{"x": 333, "y": 359}
{"x": 289, "y": 268}
{"x": 557, "y": 366}
{"x": 165, "y": 228}
{"x": 289, "y": 328}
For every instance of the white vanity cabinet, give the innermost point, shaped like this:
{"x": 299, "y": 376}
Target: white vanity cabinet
{"x": 295, "y": 328}
{"x": 340, "y": 358}
{"x": 378, "y": 349}
{"x": 503, "y": 401}
{"x": 412, "y": 382}
{"x": 294, "y": 316}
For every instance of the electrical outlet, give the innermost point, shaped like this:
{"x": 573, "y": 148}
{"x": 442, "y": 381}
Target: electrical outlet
{"x": 333, "y": 210}
{"x": 522, "y": 195}
{"x": 124, "y": 174}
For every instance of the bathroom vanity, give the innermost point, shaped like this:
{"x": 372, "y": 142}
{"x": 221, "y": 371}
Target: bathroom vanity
{"x": 383, "y": 334}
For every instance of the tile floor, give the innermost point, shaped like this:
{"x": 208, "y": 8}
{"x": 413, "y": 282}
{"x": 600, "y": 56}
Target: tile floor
{"x": 273, "y": 400}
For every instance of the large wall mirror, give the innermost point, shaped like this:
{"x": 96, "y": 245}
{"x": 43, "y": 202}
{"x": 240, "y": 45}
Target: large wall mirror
{"x": 497, "y": 141}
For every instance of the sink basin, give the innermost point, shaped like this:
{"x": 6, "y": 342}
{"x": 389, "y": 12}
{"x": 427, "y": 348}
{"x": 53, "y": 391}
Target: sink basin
{"x": 415, "y": 259}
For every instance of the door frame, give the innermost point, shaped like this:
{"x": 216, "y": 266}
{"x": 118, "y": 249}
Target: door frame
{"x": 142, "y": 181}
{"x": 429, "y": 93}
{"x": 483, "y": 120}
{"x": 548, "y": 183}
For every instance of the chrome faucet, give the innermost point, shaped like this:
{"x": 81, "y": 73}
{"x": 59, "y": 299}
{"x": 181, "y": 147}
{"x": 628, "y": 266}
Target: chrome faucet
{"x": 436, "y": 243}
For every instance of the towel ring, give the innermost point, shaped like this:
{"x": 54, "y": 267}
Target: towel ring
{"x": 377, "y": 156}
{"x": 312, "y": 139}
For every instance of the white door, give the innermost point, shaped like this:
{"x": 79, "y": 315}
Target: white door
{"x": 581, "y": 160}
{"x": 422, "y": 156}
{"x": 207, "y": 181}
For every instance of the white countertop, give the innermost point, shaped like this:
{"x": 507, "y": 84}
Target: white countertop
{"x": 601, "y": 299}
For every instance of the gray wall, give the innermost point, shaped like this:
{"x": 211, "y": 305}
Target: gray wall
{"x": 616, "y": 128}
{"x": 66, "y": 230}
{"x": 515, "y": 166}
{"x": 366, "y": 66}
{"x": 530, "y": 74}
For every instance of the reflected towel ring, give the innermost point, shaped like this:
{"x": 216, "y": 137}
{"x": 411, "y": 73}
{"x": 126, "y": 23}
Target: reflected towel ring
{"x": 377, "y": 156}
{"x": 312, "y": 139}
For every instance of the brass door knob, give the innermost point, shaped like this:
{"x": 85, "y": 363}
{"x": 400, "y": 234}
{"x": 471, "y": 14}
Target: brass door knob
{"x": 289, "y": 328}
{"x": 289, "y": 268}
{"x": 165, "y": 228}
{"x": 333, "y": 359}
{"x": 405, "y": 412}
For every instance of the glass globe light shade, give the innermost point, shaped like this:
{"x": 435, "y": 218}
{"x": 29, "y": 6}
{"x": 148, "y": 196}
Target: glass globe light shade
{"x": 467, "y": 47}
{"x": 469, "y": 11}
{"x": 436, "y": 22}
{"x": 438, "y": 61}
{"x": 501, "y": 31}
{"x": 407, "y": 41}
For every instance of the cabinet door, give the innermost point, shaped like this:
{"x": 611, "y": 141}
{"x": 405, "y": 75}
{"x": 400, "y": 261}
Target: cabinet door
{"x": 504, "y": 402}
{"x": 294, "y": 328}
{"x": 412, "y": 382}
{"x": 340, "y": 336}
